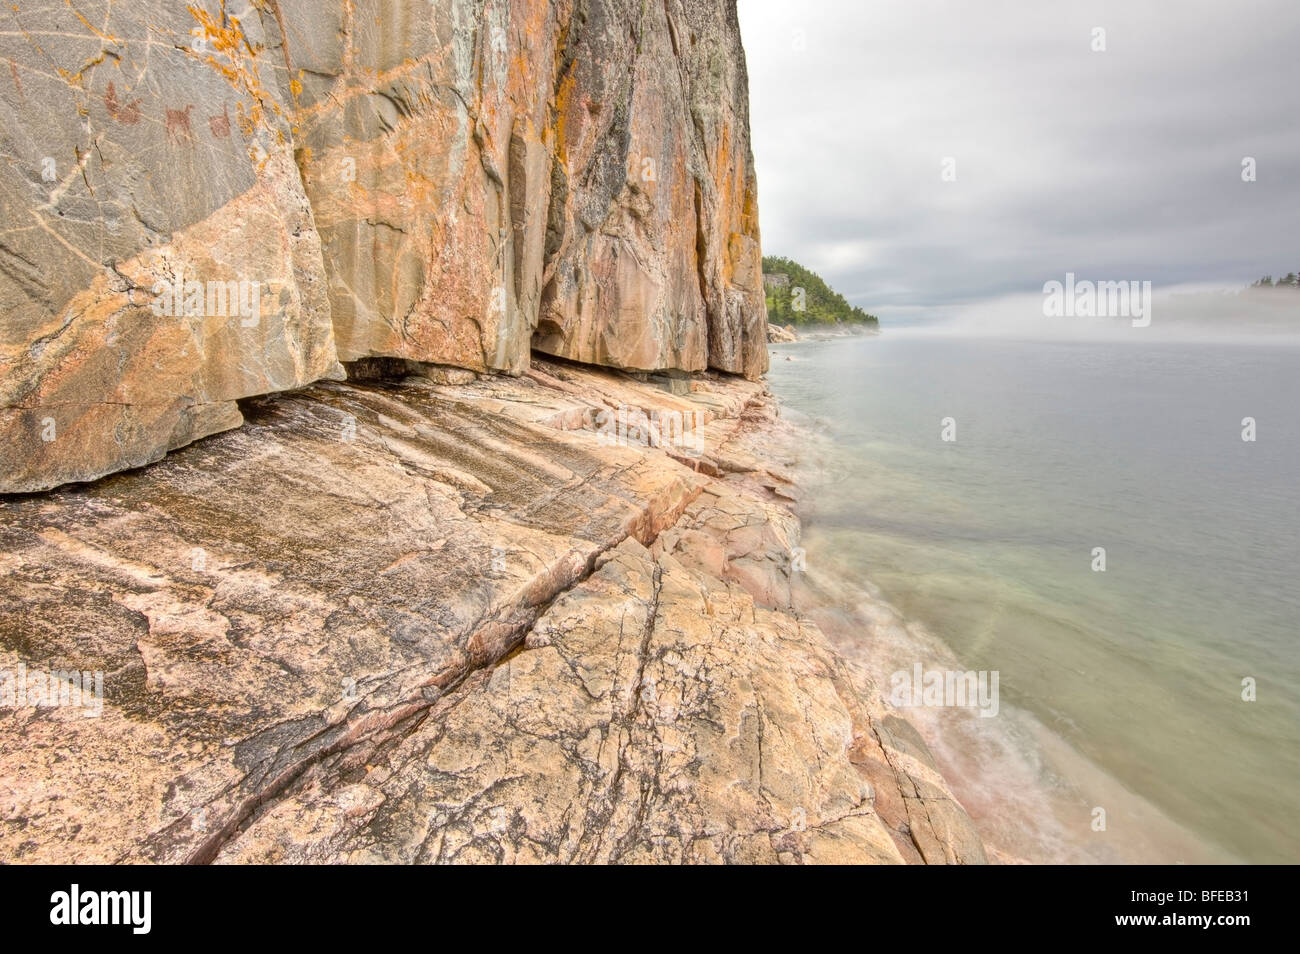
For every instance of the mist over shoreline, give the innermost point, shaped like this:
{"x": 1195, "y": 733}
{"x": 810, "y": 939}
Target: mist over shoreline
{"x": 1180, "y": 314}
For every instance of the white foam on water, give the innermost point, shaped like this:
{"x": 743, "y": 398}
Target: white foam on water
{"x": 1030, "y": 793}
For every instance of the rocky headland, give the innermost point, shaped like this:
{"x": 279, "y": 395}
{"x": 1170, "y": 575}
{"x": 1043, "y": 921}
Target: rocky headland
{"x": 383, "y": 437}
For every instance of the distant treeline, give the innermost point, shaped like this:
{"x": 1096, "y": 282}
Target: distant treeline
{"x": 818, "y": 303}
{"x": 1290, "y": 281}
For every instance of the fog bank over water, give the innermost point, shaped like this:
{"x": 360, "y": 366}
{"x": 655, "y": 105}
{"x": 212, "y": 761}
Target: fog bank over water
{"x": 1187, "y": 313}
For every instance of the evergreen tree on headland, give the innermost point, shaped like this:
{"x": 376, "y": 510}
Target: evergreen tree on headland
{"x": 820, "y": 303}
{"x": 1290, "y": 281}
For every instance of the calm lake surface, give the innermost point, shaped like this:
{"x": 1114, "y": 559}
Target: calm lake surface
{"x": 1132, "y": 677}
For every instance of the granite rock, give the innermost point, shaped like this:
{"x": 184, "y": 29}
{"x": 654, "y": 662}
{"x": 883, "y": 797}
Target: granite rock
{"x": 454, "y": 183}
{"x": 409, "y": 621}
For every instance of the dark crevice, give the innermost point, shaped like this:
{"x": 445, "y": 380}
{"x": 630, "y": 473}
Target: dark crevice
{"x": 409, "y": 715}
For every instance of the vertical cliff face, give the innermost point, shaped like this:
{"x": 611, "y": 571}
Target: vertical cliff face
{"x": 653, "y": 231}
{"x": 203, "y": 205}
{"x": 424, "y": 135}
{"x": 142, "y": 154}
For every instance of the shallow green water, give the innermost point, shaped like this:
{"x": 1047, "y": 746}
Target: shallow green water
{"x": 988, "y": 541}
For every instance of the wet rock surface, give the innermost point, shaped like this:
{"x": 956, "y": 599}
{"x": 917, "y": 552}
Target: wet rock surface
{"x": 419, "y": 622}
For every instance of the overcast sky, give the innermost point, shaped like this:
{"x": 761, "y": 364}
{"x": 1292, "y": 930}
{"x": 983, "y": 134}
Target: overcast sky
{"x": 1123, "y": 164}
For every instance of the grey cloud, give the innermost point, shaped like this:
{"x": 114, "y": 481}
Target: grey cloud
{"x": 1122, "y": 164}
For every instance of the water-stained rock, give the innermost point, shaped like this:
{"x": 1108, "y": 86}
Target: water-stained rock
{"x": 206, "y": 204}
{"x": 159, "y": 258}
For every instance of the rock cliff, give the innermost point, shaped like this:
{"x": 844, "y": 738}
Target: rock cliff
{"x": 208, "y": 202}
{"x": 485, "y": 554}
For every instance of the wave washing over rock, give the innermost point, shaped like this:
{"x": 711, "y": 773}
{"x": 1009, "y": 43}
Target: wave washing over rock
{"x": 475, "y": 599}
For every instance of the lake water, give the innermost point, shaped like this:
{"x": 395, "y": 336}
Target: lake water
{"x": 1120, "y": 689}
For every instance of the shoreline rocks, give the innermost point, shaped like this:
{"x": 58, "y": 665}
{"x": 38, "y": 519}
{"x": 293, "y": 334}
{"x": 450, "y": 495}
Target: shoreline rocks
{"x": 413, "y": 622}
